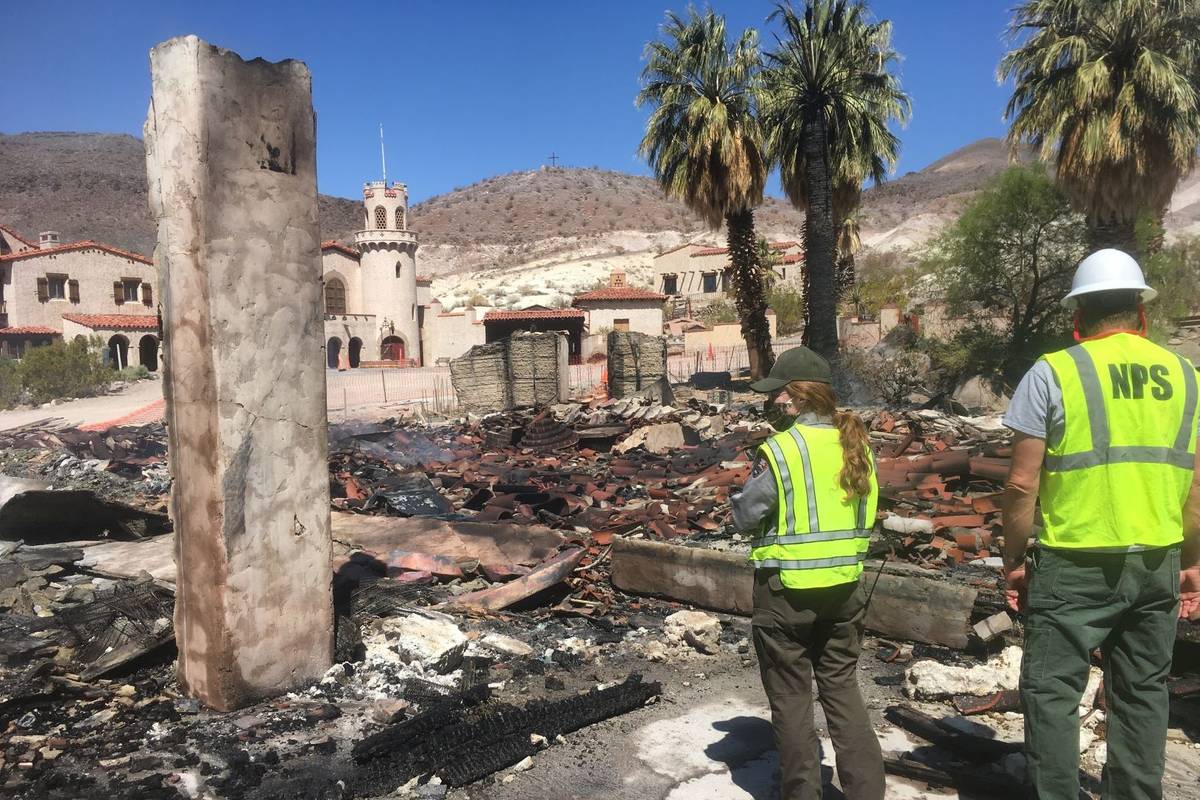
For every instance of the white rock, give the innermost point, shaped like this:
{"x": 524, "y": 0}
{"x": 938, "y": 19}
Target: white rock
{"x": 931, "y": 679}
{"x": 655, "y": 651}
{"x": 1101, "y": 754}
{"x": 505, "y": 645}
{"x": 654, "y": 438}
{"x": 907, "y": 525}
{"x": 702, "y": 631}
{"x": 419, "y": 638}
{"x": 523, "y": 765}
{"x": 1095, "y": 678}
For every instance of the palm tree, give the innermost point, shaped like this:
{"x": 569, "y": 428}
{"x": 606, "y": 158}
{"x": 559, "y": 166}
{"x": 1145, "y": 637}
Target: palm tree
{"x": 1108, "y": 92}
{"x": 848, "y": 243}
{"x": 828, "y": 99}
{"x": 705, "y": 145}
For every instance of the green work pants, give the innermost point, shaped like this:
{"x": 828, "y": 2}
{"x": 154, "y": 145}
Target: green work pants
{"x": 1127, "y": 605}
{"x": 799, "y": 633}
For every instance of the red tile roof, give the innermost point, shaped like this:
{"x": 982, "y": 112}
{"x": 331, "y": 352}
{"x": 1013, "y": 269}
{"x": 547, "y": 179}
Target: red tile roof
{"x": 29, "y": 330}
{"x": 534, "y": 313}
{"x": 17, "y": 236}
{"x": 792, "y": 258}
{"x": 86, "y": 244}
{"x": 116, "y": 322}
{"x": 334, "y": 244}
{"x": 620, "y": 293}
{"x": 720, "y": 251}
{"x": 424, "y": 279}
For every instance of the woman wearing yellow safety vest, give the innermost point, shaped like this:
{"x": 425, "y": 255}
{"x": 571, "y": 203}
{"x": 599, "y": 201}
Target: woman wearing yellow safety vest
{"x": 810, "y": 504}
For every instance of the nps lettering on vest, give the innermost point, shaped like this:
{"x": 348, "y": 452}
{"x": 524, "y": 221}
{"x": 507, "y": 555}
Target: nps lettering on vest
{"x": 820, "y": 536}
{"x": 1120, "y": 472}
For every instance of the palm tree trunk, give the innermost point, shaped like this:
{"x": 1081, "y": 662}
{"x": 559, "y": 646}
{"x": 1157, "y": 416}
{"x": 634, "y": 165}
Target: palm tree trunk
{"x": 819, "y": 245}
{"x": 1117, "y": 233}
{"x": 749, "y": 292}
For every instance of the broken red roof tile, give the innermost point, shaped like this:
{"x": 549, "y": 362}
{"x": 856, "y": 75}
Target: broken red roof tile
{"x": 86, "y": 244}
{"x": 126, "y": 322}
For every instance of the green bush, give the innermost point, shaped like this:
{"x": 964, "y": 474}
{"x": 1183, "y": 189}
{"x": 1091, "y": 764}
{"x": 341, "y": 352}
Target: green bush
{"x": 1175, "y": 271}
{"x": 788, "y": 305}
{"x": 62, "y": 370}
{"x": 132, "y": 373}
{"x": 10, "y": 382}
{"x": 718, "y": 311}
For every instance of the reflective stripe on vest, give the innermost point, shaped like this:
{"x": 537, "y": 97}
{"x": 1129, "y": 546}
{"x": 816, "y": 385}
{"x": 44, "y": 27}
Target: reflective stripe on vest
{"x": 807, "y": 460}
{"x": 1120, "y": 472}
{"x": 1102, "y": 451}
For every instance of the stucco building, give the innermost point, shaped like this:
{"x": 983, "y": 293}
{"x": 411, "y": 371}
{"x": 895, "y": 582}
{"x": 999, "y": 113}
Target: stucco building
{"x": 378, "y": 310}
{"x": 54, "y": 290}
{"x": 696, "y": 274}
{"x": 618, "y": 307}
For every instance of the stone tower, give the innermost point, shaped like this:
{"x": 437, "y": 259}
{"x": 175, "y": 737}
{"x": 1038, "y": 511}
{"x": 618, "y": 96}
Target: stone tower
{"x": 389, "y": 270}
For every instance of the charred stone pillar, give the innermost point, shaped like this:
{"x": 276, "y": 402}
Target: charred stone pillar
{"x": 230, "y": 154}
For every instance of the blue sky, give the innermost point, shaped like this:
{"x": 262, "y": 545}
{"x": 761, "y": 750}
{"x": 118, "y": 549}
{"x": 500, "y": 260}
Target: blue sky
{"x": 464, "y": 89}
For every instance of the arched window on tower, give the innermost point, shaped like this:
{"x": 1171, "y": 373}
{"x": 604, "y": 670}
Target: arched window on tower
{"x": 335, "y": 297}
{"x": 399, "y": 219}
{"x": 380, "y": 217}
{"x": 397, "y": 269}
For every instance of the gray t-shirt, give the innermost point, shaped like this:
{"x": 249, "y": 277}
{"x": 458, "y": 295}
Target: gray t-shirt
{"x": 1037, "y": 404}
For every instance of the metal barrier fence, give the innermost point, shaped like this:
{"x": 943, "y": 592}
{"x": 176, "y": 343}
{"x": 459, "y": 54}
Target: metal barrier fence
{"x": 431, "y": 387}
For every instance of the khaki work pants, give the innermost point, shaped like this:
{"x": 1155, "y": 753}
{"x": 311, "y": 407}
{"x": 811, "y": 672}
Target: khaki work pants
{"x": 1126, "y": 604}
{"x": 799, "y": 633}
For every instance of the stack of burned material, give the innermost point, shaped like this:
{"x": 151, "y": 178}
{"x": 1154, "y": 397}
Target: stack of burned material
{"x": 526, "y": 370}
{"x": 940, "y": 479}
{"x": 125, "y": 464}
{"x": 637, "y": 363}
{"x": 463, "y": 738}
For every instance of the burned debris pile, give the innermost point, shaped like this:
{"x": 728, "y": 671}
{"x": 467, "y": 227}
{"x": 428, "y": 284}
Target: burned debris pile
{"x": 500, "y": 580}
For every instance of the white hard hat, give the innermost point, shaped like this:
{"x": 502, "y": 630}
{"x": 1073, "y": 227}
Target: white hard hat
{"x": 1108, "y": 270}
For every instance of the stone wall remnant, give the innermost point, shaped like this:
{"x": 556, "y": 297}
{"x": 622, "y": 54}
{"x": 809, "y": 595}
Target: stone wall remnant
{"x": 636, "y": 362}
{"x": 231, "y": 163}
{"x": 526, "y": 370}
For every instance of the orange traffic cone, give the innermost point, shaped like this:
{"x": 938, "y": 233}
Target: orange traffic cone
{"x": 712, "y": 356}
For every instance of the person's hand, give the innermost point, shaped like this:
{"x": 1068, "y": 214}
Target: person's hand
{"x": 1016, "y": 588}
{"x": 1189, "y": 592}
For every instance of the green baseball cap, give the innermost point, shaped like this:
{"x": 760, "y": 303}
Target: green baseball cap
{"x": 797, "y": 364}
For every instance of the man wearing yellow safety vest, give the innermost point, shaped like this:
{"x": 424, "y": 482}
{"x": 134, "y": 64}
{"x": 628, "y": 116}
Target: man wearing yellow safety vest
{"x": 1105, "y": 435}
{"x": 810, "y": 504}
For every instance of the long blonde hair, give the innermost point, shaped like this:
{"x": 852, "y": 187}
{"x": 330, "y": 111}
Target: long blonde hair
{"x": 819, "y": 398}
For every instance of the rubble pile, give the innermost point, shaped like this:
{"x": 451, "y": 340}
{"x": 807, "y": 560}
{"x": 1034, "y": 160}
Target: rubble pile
{"x": 940, "y": 479}
{"x": 477, "y": 620}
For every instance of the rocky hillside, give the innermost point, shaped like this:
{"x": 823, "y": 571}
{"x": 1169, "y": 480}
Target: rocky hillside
{"x": 93, "y": 186}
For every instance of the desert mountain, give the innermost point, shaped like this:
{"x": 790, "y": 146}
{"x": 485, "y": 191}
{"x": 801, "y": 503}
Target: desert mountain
{"x": 93, "y": 186}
